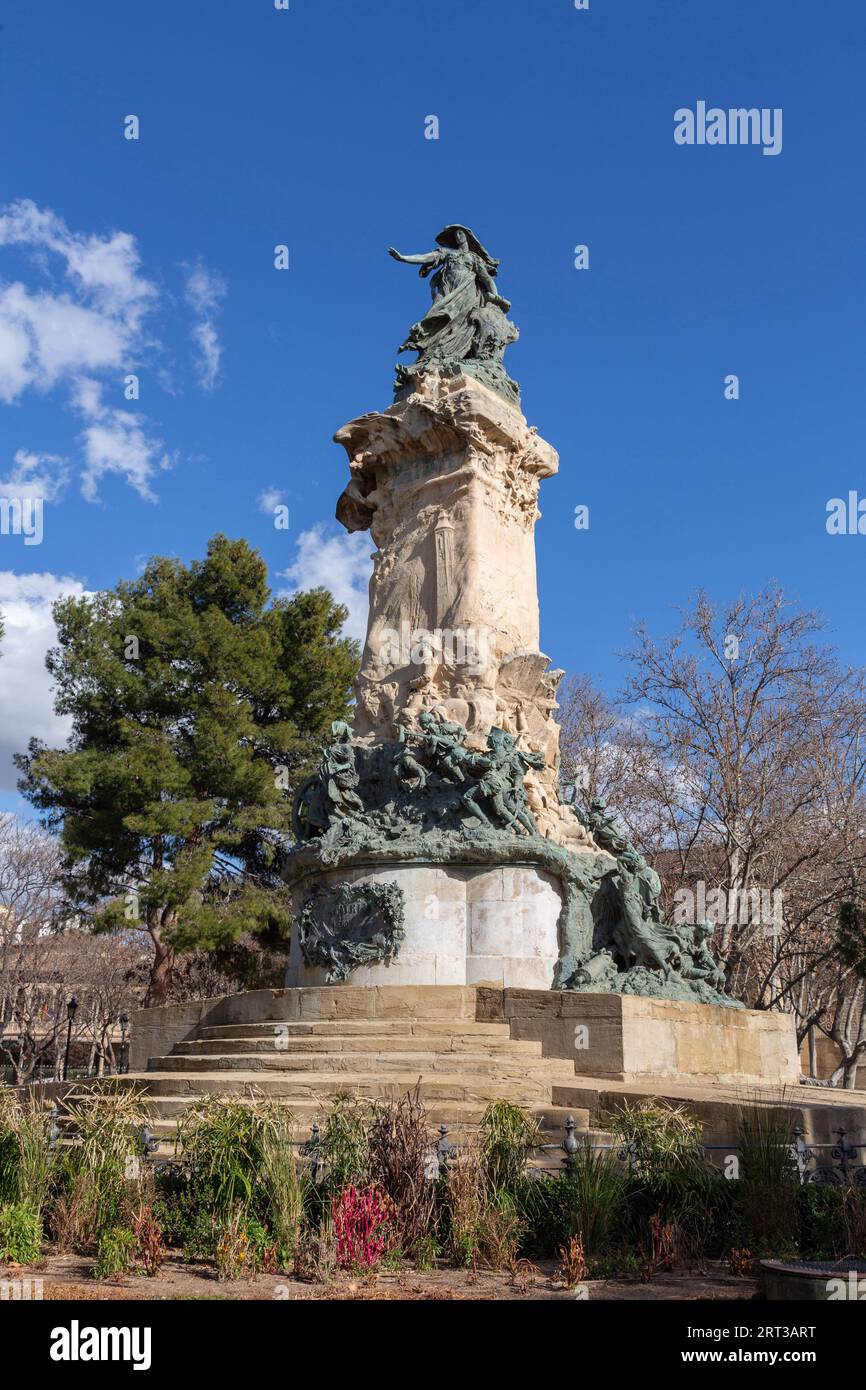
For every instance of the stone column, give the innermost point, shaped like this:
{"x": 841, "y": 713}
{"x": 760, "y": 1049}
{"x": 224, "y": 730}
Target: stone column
{"x": 446, "y": 481}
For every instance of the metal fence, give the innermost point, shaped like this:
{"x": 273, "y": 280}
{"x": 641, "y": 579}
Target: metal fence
{"x": 50, "y": 1073}
{"x": 841, "y": 1164}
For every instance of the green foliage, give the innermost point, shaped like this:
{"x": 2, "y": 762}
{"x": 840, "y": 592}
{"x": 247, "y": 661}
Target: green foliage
{"x": 284, "y": 1186}
{"x": 595, "y": 1195}
{"x": 96, "y": 1174}
{"x": 660, "y": 1140}
{"x": 727, "y": 1228}
{"x": 426, "y": 1253}
{"x": 544, "y": 1204}
{"x": 238, "y": 1195}
{"x": 768, "y": 1172}
{"x": 616, "y": 1265}
{"x": 670, "y": 1181}
{"x": 195, "y": 704}
{"x": 508, "y": 1136}
{"x": 27, "y": 1160}
{"x": 230, "y": 1149}
{"x": 821, "y": 1222}
{"x": 20, "y": 1233}
{"x": 344, "y": 1149}
{"x": 116, "y": 1252}
{"x": 187, "y": 1226}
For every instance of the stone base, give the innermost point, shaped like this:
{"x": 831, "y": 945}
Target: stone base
{"x": 464, "y": 925}
{"x": 628, "y": 1038}
{"x": 470, "y": 1046}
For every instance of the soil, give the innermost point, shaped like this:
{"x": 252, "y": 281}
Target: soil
{"x": 70, "y": 1277}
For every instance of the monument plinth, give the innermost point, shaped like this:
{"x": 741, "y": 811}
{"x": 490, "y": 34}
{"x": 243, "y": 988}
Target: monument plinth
{"x": 446, "y": 481}
{"x": 435, "y": 845}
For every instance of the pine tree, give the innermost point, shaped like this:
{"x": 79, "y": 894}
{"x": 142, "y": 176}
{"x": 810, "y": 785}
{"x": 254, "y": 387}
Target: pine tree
{"x": 196, "y": 704}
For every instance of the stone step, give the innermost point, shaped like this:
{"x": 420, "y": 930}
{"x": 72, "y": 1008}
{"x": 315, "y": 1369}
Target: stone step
{"x": 166, "y": 1110}
{"x": 297, "y": 1086}
{"x": 479, "y": 1064}
{"x": 426, "y": 1044}
{"x": 375, "y": 1027}
{"x": 351, "y": 1002}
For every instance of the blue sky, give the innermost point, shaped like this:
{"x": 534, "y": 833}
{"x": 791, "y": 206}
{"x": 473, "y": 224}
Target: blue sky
{"x": 306, "y": 127}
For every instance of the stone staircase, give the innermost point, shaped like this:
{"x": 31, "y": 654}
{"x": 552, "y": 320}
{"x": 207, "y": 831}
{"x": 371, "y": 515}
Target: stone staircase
{"x": 463, "y": 1046}
{"x": 458, "y": 1063}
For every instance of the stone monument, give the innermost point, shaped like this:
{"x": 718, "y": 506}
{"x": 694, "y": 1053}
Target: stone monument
{"x": 435, "y": 844}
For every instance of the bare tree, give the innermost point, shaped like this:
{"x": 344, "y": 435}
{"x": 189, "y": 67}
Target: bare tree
{"x": 46, "y": 959}
{"x": 736, "y": 757}
{"x": 31, "y": 1013}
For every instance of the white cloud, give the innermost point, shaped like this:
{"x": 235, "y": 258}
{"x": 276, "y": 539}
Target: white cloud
{"x": 205, "y": 291}
{"x": 35, "y": 475}
{"x": 94, "y": 324}
{"x": 115, "y": 441}
{"x": 104, "y": 268}
{"x": 80, "y": 337}
{"x": 26, "y": 702}
{"x": 269, "y": 498}
{"x": 340, "y": 562}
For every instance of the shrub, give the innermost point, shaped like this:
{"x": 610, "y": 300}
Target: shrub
{"x": 27, "y": 1157}
{"x": 344, "y": 1149}
{"x": 544, "y": 1204}
{"x": 238, "y": 1155}
{"x": 185, "y": 1222}
{"x": 595, "y": 1192}
{"x": 483, "y": 1226}
{"x": 769, "y": 1177}
{"x": 661, "y": 1141}
{"x": 149, "y": 1245}
{"x": 229, "y": 1145}
{"x": 508, "y": 1136}
{"x": 820, "y": 1222}
{"x": 425, "y": 1253}
{"x": 399, "y": 1157}
{"x": 97, "y": 1185}
{"x": 365, "y": 1226}
{"x": 20, "y": 1233}
{"x": 116, "y": 1252}
{"x": 671, "y": 1185}
{"x": 617, "y": 1265}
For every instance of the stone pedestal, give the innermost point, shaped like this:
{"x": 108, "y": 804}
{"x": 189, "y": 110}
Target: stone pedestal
{"x": 463, "y": 925}
{"x": 629, "y": 1038}
{"x": 446, "y": 481}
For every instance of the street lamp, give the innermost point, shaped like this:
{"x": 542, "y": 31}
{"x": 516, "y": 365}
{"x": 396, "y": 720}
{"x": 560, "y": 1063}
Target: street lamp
{"x": 70, "y": 1014}
{"x": 124, "y": 1024}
